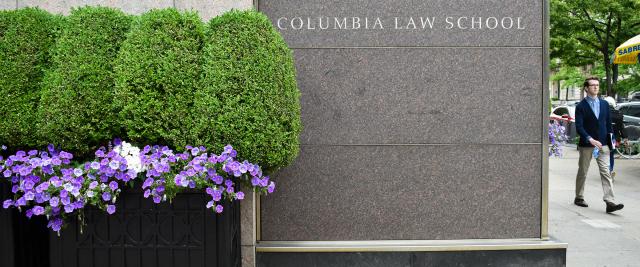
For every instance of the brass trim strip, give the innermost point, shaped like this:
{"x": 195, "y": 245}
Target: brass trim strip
{"x": 257, "y": 215}
{"x": 544, "y": 217}
{"x": 415, "y": 47}
{"x": 432, "y": 144}
{"x": 256, "y": 5}
{"x": 408, "y": 245}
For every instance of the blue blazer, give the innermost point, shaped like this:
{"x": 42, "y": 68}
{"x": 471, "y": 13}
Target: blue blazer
{"x": 588, "y": 125}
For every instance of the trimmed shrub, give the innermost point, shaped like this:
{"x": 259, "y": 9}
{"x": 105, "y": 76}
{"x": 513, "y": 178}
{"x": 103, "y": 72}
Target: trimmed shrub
{"x": 249, "y": 97}
{"x": 26, "y": 38}
{"x": 158, "y": 69}
{"x": 77, "y": 108}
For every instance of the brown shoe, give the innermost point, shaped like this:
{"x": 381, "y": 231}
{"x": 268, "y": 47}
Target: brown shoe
{"x": 580, "y": 202}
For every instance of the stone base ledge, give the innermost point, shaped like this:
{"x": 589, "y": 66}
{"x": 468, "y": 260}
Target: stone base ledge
{"x": 413, "y": 253}
{"x": 408, "y": 245}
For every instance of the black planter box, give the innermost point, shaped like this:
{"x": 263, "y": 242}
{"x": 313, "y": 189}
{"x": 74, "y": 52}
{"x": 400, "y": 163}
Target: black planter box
{"x": 140, "y": 233}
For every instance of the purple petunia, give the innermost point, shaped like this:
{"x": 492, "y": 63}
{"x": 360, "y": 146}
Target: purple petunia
{"x": 68, "y": 208}
{"x": 38, "y": 210}
{"x": 148, "y": 182}
{"x": 28, "y": 184}
{"x": 54, "y": 201}
{"x": 113, "y": 185}
{"x": 271, "y": 187}
{"x": 217, "y": 179}
{"x": 106, "y": 196}
{"x": 114, "y": 165}
{"x": 95, "y": 165}
{"x": 55, "y": 224}
{"x": 65, "y": 200}
{"x": 47, "y": 183}
{"x": 111, "y": 209}
{"x": 217, "y": 195}
{"x": 65, "y": 155}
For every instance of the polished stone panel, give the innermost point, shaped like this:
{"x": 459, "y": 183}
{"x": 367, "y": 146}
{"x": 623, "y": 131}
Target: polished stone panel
{"x": 436, "y": 33}
{"x": 206, "y": 9}
{"x": 529, "y": 258}
{"x": 248, "y": 256}
{"x": 248, "y": 220}
{"x": 210, "y": 9}
{"x": 422, "y": 192}
{"x": 420, "y": 95}
{"x": 7, "y": 4}
{"x": 128, "y": 6}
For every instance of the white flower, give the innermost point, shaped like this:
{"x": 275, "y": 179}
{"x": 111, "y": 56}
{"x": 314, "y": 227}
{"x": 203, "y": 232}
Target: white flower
{"x": 123, "y": 149}
{"x": 132, "y": 155}
{"x": 68, "y": 187}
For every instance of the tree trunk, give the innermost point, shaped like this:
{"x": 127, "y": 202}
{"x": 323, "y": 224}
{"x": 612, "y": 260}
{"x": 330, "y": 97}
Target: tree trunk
{"x": 605, "y": 51}
{"x": 614, "y": 80}
{"x": 607, "y": 69}
{"x": 617, "y": 42}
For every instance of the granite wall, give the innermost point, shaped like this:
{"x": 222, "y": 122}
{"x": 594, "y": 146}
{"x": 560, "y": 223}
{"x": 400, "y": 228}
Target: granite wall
{"x": 422, "y": 121}
{"x": 206, "y": 8}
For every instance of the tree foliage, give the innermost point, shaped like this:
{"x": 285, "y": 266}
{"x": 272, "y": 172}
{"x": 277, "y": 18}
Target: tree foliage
{"x": 585, "y": 32}
{"x": 570, "y": 76}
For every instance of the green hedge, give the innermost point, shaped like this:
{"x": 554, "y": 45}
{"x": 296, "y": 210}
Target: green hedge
{"x": 26, "y": 38}
{"x": 76, "y": 108}
{"x": 158, "y": 69}
{"x": 249, "y": 96}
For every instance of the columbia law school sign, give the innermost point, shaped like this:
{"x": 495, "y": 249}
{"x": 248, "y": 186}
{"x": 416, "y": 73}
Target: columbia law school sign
{"x": 424, "y": 140}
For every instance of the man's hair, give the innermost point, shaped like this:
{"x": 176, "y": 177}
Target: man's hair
{"x": 586, "y": 81}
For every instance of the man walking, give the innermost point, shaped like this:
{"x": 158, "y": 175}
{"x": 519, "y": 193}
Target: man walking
{"x": 593, "y": 124}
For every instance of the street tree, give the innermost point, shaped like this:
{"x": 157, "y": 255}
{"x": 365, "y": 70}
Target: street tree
{"x": 585, "y": 32}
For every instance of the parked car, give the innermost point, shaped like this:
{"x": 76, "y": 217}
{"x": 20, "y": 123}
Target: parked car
{"x": 634, "y": 97}
{"x": 631, "y": 112}
{"x": 563, "y": 113}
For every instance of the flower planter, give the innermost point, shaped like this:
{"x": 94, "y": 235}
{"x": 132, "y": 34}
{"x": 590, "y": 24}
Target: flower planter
{"x": 181, "y": 233}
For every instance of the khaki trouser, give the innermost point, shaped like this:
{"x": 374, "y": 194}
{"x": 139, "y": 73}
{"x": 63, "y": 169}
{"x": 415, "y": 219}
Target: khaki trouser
{"x": 586, "y": 153}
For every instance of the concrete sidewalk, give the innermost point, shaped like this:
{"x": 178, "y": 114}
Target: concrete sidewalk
{"x": 595, "y": 238}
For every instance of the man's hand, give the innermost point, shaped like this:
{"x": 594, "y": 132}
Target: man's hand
{"x": 595, "y": 143}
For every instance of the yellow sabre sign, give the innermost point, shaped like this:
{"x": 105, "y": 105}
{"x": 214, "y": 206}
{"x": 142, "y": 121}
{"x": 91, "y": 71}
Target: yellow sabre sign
{"x": 628, "y": 52}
